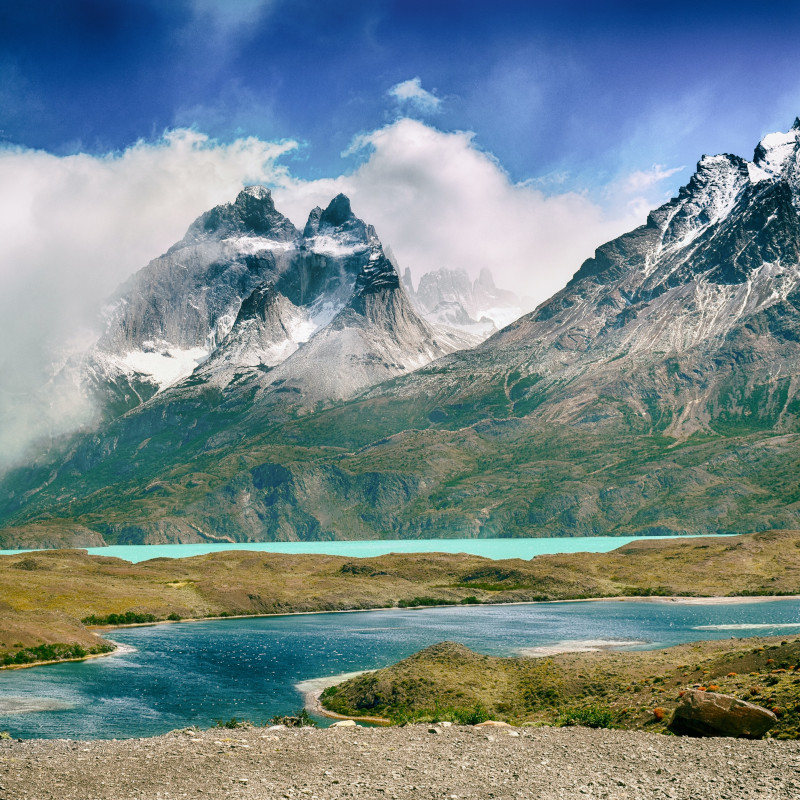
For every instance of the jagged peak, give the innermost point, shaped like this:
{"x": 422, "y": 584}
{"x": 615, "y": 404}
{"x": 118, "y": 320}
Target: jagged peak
{"x": 776, "y": 149}
{"x": 338, "y": 212}
{"x": 255, "y": 191}
{"x": 257, "y": 302}
{"x": 337, "y": 223}
{"x": 376, "y": 275}
{"x": 312, "y": 224}
{"x": 252, "y": 213}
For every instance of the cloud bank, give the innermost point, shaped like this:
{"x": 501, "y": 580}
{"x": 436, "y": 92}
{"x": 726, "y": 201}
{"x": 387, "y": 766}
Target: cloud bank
{"x": 439, "y": 201}
{"x": 73, "y": 228}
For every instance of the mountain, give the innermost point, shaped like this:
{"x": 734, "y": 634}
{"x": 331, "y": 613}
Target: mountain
{"x": 242, "y": 292}
{"x": 448, "y": 297}
{"x": 656, "y": 393}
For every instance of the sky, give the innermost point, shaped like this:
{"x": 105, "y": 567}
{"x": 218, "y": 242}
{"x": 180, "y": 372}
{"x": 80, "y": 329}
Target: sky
{"x": 501, "y": 133}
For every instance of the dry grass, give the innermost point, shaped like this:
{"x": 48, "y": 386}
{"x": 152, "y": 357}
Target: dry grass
{"x": 246, "y": 582}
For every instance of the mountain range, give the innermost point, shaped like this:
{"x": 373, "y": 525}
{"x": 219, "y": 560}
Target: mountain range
{"x": 257, "y": 382}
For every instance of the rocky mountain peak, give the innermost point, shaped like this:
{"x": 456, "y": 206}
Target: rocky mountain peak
{"x": 336, "y": 224}
{"x": 378, "y": 274}
{"x": 486, "y": 279}
{"x": 776, "y": 152}
{"x": 252, "y": 213}
{"x": 256, "y": 305}
{"x": 338, "y": 212}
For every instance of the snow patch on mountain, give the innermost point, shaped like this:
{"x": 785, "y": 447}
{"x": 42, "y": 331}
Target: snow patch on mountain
{"x": 165, "y": 365}
{"x": 252, "y": 245}
{"x": 334, "y": 246}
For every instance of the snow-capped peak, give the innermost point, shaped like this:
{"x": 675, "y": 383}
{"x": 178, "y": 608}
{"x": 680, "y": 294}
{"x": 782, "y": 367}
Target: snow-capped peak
{"x": 775, "y": 152}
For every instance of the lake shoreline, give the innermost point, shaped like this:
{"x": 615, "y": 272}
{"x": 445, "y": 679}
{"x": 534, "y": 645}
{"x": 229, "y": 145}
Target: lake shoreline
{"x": 679, "y": 599}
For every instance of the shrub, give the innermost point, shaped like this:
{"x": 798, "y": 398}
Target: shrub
{"x": 51, "y": 652}
{"x": 470, "y": 601}
{"x": 232, "y": 723}
{"x": 589, "y": 717}
{"x": 659, "y": 713}
{"x": 126, "y": 618}
{"x": 470, "y": 716}
{"x": 302, "y": 719}
{"x": 425, "y": 601}
{"x": 5, "y": 735}
{"x": 461, "y": 716}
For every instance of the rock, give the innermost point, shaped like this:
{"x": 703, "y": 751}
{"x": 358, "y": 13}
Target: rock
{"x": 493, "y": 723}
{"x": 711, "y": 714}
{"x": 345, "y": 723}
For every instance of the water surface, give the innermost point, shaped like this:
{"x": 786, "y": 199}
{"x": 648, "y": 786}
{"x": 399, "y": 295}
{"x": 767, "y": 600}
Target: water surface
{"x": 488, "y": 548}
{"x": 193, "y": 673}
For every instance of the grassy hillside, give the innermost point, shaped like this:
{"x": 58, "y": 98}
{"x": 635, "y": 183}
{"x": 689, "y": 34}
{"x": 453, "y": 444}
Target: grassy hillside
{"x": 634, "y": 690}
{"x": 31, "y": 636}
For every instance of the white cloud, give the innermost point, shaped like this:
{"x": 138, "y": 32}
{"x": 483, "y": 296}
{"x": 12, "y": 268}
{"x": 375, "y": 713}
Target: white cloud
{"x": 644, "y": 180}
{"x": 230, "y": 14}
{"x": 439, "y": 201}
{"x": 73, "y": 228}
{"x": 411, "y": 92}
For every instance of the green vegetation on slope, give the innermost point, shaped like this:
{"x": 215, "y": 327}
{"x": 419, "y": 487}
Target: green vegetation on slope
{"x": 392, "y": 468}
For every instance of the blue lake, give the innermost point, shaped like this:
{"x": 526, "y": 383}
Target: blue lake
{"x": 194, "y": 673}
{"x": 489, "y": 548}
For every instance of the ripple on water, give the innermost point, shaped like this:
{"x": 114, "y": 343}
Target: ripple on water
{"x": 29, "y": 705}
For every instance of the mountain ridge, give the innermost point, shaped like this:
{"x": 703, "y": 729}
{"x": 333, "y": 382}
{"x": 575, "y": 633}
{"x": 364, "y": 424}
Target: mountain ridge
{"x": 656, "y": 393}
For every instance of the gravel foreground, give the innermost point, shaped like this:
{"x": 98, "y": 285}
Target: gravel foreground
{"x": 456, "y": 762}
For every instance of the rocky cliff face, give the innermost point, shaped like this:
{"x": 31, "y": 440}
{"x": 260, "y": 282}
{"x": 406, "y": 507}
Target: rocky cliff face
{"x": 676, "y": 322}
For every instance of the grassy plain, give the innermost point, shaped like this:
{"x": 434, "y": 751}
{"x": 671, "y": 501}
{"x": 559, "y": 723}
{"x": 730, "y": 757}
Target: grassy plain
{"x": 80, "y": 586}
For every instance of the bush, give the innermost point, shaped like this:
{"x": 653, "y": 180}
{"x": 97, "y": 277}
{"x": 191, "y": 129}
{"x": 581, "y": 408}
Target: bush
{"x": 589, "y": 717}
{"x": 461, "y": 716}
{"x": 425, "y": 601}
{"x": 470, "y": 601}
{"x": 232, "y": 723}
{"x": 302, "y": 719}
{"x": 127, "y": 618}
{"x": 470, "y": 716}
{"x": 51, "y": 652}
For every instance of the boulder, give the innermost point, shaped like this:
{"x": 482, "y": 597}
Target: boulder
{"x": 711, "y": 714}
{"x": 492, "y": 723}
{"x": 345, "y": 723}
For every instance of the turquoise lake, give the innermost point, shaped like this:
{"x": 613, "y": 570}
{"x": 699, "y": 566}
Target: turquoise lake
{"x": 194, "y": 673}
{"x": 489, "y": 548}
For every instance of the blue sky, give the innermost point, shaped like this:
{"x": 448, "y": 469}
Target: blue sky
{"x": 570, "y": 93}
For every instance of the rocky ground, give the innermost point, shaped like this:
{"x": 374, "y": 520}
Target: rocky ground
{"x": 450, "y": 762}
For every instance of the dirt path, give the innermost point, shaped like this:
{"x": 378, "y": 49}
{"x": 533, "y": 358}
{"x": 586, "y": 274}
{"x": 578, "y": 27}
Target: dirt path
{"x": 401, "y": 763}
